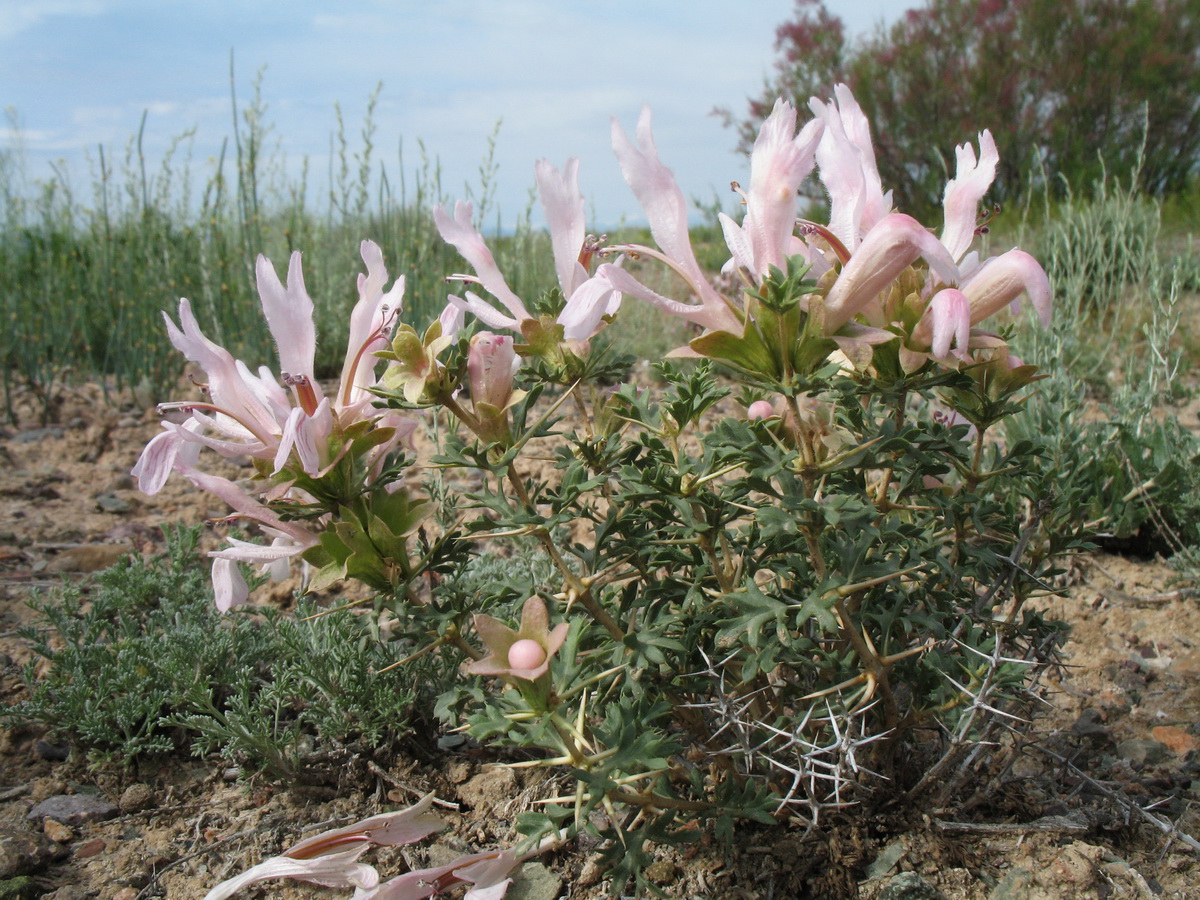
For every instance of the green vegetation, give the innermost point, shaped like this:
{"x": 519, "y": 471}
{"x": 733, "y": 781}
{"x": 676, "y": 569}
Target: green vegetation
{"x": 1071, "y": 85}
{"x": 84, "y": 278}
{"x": 143, "y": 663}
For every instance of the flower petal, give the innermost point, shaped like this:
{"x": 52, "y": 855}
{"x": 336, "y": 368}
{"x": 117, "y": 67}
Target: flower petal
{"x": 1002, "y": 279}
{"x": 229, "y": 587}
{"x": 289, "y": 313}
{"x": 462, "y": 234}
{"x": 337, "y": 870}
{"x": 889, "y": 248}
{"x": 964, "y": 193}
{"x": 562, "y": 204}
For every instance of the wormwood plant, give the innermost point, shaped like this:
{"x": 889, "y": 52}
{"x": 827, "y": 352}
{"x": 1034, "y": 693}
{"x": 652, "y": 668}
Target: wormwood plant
{"x": 769, "y": 593}
{"x": 145, "y": 664}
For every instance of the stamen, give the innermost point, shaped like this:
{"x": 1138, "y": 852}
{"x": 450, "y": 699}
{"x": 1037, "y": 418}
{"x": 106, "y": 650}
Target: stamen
{"x": 592, "y": 246}
{"x": 809, "y": 228}
{"x": 986, "y": 217}
{"x": 305, "y": 392}
{"x": 737, "y": 189}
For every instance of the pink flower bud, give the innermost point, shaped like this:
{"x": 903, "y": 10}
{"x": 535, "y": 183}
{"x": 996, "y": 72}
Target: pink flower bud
{"x": 526, "y": 654}
{"x": 760, "y": 409}
{"x": 491, "y": 363}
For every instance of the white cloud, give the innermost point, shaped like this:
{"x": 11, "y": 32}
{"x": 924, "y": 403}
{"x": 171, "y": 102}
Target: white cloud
{"x": 17, "y": 16}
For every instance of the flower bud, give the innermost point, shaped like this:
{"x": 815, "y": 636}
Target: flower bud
{"x": 491, "y": 362}
{"x": 760, "y": 409}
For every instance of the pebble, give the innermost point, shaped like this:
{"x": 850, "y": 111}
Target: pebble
{"x": 533, "y": 881}
{"x": 37, "y": 434}
{"x": 909, "y": 886}
{"x": 74, "y": 809}
{"x": 111, "y": 503}
{"x": 1176, "y": 739}
{"x": 137, "y": 797}
{"x": 886, "y": 861}
{"x": 57, "y": 831}
{"x": 1091, "y": 724}
{"x": 662, "y": 872}
{"x": 23, "y": 851}
{"x": 90, "y": 848}
{"x": 125, "y": 894}
{"x": 1143, "y": 752}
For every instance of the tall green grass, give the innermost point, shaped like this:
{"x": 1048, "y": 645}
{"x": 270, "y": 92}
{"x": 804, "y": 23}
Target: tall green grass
{"x": 1118, "y": 365}
{"x": 85, "y": 275}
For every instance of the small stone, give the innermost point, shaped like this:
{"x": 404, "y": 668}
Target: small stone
{"x": 590, "y": 873}
{"x": 57, "y": 831}
{"x": 1016, "y": 885}
{"x": 1176, "y": 739}
{"x": 1146, "y": 753}
{"x": 887, "y": 859}
{"x": 458, "y": 771}
{"x": 1091, "y": 724}
{"x": 136, "y": 798}
{"x": 533, "y": 881}
{"x": 126, "y": 894}
{"x": 1187, "y": 665}
{"x": 37, "y": 434}
{"x": 91, "y": 848}
{"x": 111, "y": 503}
{"x": 492, "y": 787}
{"x": 662, "y": 872}
{"x": 74, "y": 809}
{"x": 23, "y": 852}
{"x": 909, "y": 886}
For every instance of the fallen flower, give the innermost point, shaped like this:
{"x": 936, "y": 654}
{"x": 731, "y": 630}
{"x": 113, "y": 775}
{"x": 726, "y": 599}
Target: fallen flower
{"x": 331, "y": 857}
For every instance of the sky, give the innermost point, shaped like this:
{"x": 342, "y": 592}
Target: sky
{"x": 79, "y": 74}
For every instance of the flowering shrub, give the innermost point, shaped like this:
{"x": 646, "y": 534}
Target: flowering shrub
{"x": 763, "y": 606}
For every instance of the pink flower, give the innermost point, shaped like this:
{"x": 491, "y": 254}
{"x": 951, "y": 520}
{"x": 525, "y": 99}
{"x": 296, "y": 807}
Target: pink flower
{"x": 847, "y": 162}
{"x": 889, "y": 248}
{"x": 779, "y": 163}
{"x": 666, "y": 210}
{"x": 504, "y": 644}
{"x": 491, "y": 364}
{"x": 588, "y": 298}
{"x": 487, "y": 873}
{"x": 330, "y": 858}
{"x": 249, "y": 414}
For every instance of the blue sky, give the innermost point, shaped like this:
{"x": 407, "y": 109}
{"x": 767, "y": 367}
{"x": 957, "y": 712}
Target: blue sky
{"x": 80, "y": 73}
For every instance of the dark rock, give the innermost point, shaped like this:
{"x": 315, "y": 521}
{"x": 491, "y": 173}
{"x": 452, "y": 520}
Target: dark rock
{"x": 52, "y": 752}
{"x": 23, "y": 852}
{"x": 74, "y": 809}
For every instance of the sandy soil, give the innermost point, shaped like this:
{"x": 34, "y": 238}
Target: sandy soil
{"x": 1062, "y": 819}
